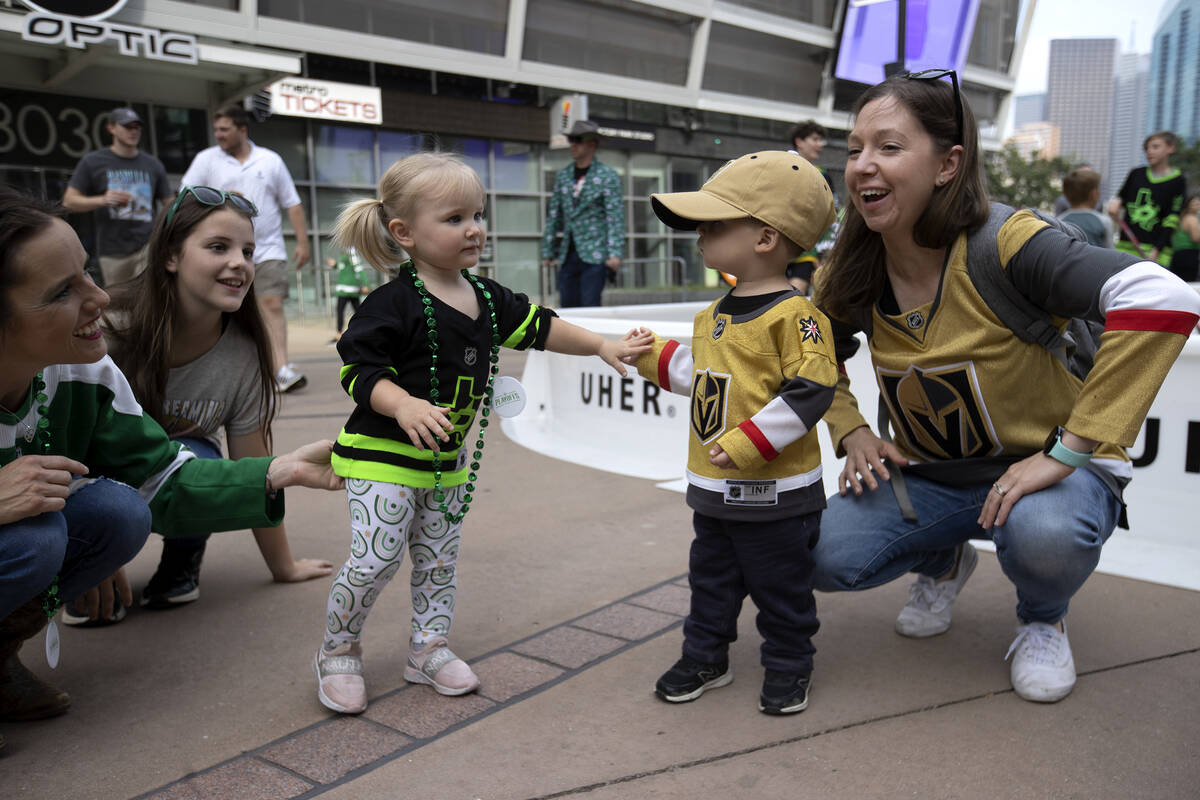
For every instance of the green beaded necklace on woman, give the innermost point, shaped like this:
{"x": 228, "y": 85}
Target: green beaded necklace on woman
{"x": 439, "y": 495}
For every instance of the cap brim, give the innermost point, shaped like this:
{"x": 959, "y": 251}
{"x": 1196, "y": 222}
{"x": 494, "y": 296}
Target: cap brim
{"x": 686, "y": 210}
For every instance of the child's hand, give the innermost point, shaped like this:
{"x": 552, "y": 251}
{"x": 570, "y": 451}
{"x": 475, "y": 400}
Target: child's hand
{"x": 625, "y": 351}
{"x": 719, "y": 458}
{"x": 423, "y": 421}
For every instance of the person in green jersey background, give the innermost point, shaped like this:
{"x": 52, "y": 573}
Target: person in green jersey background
{"x": 1146, "y": 210}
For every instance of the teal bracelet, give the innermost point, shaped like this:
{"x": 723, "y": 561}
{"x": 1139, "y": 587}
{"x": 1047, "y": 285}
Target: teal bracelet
{"x": 1060, "y": 452}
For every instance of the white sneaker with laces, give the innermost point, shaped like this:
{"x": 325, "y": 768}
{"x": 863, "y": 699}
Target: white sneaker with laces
{"x": 930, "y": 604}
{"x": 1043, "y": 669}
{"x": 287, "y": 378}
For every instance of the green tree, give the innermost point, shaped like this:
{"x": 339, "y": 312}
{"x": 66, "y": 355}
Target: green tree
{"x": 1187, "y": 159}
{"x": 1014, "y": 181}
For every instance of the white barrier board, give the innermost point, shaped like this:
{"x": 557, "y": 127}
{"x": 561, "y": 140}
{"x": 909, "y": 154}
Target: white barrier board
{"x": 580, "y": 410}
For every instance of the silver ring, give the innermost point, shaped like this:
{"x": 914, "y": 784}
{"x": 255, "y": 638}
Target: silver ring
{"x": 1000, "y": 490}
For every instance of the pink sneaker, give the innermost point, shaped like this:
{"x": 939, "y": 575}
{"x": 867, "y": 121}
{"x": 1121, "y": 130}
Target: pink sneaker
{"x": 436, "y": 665}
{"x": 340, "y": 684}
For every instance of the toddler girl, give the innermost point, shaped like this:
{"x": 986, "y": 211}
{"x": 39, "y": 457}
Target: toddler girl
{"x": 420, "y": 357}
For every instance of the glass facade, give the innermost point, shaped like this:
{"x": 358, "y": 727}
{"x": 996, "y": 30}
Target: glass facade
{"x": 638, "y": 41}
{"x": 474, "y": 25}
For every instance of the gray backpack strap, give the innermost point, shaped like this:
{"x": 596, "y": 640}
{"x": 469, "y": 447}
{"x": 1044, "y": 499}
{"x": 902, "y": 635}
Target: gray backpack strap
{"x": 1027, "y": 321}
{"x": 899, "y": 486}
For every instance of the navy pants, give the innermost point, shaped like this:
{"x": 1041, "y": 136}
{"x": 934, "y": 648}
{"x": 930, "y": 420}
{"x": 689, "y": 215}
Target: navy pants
{"x": 771, "y": 562}
{"x": 580, "y": 283}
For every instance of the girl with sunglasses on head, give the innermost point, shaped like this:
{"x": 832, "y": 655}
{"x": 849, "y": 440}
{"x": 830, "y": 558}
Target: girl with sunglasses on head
{"x": 994, "y": 437}
{"x": 188, "y": 336}
{"x": 84, "y": 473}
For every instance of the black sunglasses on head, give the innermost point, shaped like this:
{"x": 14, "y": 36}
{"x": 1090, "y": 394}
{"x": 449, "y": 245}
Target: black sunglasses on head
{"x": 937, "y": 75}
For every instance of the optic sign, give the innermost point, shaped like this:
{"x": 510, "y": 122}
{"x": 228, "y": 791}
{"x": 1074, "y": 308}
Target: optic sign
{"x": 79, "y": 23}
{"x": 341, "y": 102}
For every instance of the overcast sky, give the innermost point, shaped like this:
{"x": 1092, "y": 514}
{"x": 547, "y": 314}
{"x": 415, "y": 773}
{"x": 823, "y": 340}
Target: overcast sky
{"x": 1069, "y": 19}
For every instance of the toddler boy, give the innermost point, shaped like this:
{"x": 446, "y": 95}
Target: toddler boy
{"x": 761, "y": 372}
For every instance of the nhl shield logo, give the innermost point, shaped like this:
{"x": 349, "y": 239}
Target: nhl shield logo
{"x": 470, "y": 355}
{"x": 718, "y": 329}
{"x": 710, "y": 392}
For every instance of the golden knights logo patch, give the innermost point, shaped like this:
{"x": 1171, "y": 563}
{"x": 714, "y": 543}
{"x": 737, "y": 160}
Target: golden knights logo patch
{"x": 939, "y": 412}
{"x": 710, "y": 393}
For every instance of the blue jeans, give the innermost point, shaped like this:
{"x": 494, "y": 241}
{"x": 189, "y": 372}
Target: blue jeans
{"x": 103, "y": 526}
{"x": 1048, "y": 547}
{"x": 770, "y": 561}
{"x": 580, "y": 283}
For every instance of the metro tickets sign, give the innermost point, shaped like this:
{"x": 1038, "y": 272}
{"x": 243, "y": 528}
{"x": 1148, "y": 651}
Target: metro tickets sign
{"x": 341, "y": 102}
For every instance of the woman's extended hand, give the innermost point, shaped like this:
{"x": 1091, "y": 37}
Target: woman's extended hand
{"x": 33, "y": 485}
{"x": 1027, "y": 476}
{"x": 307, "y": 465}
{"x": 865, "y": 453}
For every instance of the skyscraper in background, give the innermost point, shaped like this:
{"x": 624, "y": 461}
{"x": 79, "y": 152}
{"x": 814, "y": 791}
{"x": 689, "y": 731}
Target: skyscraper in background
{"x": 1129, "y": 116}
{"x": 1028, "y": 108}
{"x": 1079, "y": 100}
{"x": 1174, "y": 85}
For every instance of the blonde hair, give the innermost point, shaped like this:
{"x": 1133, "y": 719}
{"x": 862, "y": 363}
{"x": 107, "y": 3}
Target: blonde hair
{"x": 411, "y": 181}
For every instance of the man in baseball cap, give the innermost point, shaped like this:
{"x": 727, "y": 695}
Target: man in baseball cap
{"x": 121, "y": 184}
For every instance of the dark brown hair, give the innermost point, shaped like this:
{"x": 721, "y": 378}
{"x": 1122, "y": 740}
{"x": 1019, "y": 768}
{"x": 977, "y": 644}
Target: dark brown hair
{"x": 22, "y": 217}
{"x": 805, "y": 129}
{"x": 1078, "y": 185}
{"x": 1169, "y": 139}
{"x": 235, "y": 114}
{"x": 145, "y": 310}
{"x": 855, "y": 275}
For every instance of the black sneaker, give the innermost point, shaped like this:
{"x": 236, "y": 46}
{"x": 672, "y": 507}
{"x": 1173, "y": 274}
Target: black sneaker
{"x": 689, "y": 679}
{"x": 177, "y": 579}
{"x": 784, "y": 693}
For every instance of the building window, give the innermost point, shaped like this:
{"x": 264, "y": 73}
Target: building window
{"x": 647, "y": 43}
{"x": 475, "y": 25}
{"x": 817, "y": 12}
{"x": 754, "y": 64}
{"x": 344, "y": 154}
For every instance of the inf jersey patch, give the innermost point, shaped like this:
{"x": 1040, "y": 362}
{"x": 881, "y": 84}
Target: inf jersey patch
{"x": 811, "y": 329}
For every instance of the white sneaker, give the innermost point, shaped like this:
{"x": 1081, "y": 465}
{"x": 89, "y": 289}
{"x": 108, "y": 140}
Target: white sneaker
{"x": 930, "y": 604}
{"x": 288, "y": 379}
{"x": 1043, "y": 669}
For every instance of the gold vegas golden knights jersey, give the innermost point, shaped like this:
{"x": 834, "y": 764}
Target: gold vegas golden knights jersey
{"x": 760, "y": 378}
{"x": 967, "y": 397}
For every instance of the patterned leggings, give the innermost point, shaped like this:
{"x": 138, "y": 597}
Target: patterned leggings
{"x": 383, "y": 517}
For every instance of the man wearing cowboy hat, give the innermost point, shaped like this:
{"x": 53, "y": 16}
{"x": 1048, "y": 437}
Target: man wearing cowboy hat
{"x": 588, "y": 208}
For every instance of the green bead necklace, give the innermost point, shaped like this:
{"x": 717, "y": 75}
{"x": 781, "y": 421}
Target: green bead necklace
{"x": 439, "y": 494}
{"x": 39, "y": 437}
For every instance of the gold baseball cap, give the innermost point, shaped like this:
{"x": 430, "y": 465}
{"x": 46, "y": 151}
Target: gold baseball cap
{"x": 778, "y": 187}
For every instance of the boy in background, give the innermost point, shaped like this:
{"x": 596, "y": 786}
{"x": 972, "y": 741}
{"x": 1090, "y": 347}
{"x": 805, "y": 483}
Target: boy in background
{"x": 761, "y": 372}
{"x": 1081, "y": 187}
{"x": 1148, "y": 205}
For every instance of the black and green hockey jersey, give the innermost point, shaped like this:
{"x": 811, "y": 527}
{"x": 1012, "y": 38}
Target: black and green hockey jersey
{"x": 1152, "y": 205}
{"x": 388, "y": 340}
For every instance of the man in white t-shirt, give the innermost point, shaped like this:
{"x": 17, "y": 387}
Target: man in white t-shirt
{"x": 237, "y": 164}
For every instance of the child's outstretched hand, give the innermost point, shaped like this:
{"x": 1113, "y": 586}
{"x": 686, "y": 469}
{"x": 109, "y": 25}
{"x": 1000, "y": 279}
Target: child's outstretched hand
{"x": 626, "y": 350}
{"x": 423, "y": 422}
{"x": 638, "y": 340}
{"x": 719, "y": 458}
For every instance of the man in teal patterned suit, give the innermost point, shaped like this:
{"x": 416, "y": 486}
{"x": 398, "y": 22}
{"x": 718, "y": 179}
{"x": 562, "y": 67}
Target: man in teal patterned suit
{"x": 588, "y": 208}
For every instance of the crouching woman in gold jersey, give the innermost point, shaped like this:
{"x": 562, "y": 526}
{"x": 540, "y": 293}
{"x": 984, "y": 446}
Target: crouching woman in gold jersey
{"x": 994, "y": 437}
